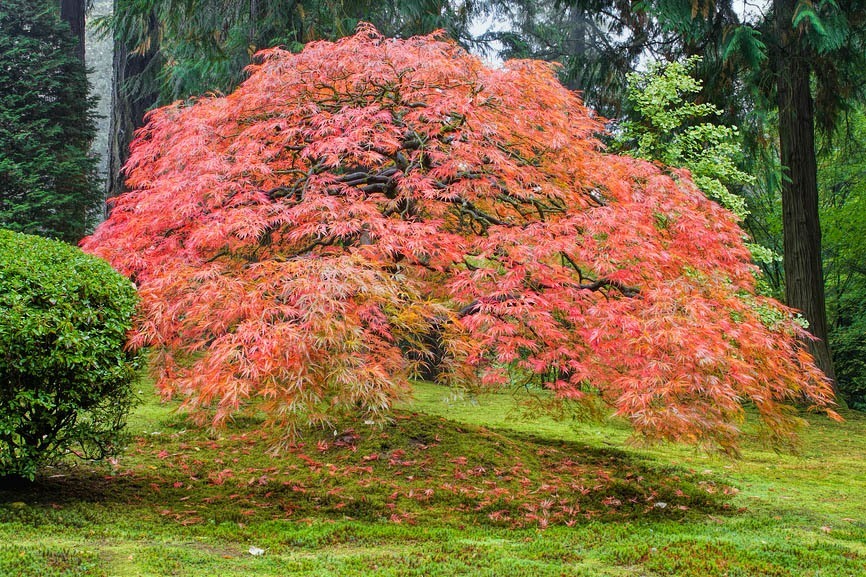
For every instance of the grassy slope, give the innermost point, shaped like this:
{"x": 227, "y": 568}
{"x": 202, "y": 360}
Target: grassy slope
{"x": 428, "y": 496}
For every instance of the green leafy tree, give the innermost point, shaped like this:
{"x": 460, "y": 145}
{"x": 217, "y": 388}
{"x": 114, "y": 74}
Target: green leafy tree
{"x": 48, "y": 182}
{"x": 667, "y": 125}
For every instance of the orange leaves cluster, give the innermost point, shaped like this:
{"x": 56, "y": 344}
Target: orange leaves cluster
{"x": 371, "y": 205}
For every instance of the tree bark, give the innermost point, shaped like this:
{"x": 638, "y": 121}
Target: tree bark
{"x": 72, "y": 11}
{"x": 127, "y": 107}
{"x": 804, "y": 278}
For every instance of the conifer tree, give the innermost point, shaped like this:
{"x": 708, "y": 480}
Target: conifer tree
{"x": 47, "y": 177}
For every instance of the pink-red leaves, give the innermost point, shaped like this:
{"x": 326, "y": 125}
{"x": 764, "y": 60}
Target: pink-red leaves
{"x": 368, "y": 208}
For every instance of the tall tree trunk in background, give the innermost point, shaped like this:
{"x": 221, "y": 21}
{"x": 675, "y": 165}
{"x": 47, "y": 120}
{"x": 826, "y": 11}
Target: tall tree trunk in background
{"x": 128, "y": 107}
{"x": 72, "y": 11}
{"x": 804, "y": 278}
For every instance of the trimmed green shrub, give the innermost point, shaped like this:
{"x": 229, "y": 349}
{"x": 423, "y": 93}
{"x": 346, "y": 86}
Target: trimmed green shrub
{"x": 66, "y": 377}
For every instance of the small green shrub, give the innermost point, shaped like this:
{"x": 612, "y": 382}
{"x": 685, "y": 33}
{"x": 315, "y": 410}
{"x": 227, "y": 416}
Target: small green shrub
{"x": 65, "y": 375}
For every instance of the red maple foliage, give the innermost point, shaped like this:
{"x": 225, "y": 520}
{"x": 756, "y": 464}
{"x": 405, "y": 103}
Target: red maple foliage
{"x": 369, "y": 205}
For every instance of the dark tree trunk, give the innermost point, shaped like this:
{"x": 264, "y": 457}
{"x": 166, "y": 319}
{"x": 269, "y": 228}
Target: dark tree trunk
{"x": 804, "y": 278}
{"x": 128, "y": 107}
{"x": 72, "y": 11}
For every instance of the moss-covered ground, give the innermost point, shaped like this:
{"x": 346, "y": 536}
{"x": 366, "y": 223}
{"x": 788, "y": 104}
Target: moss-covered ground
{"x": 454, "y": 486}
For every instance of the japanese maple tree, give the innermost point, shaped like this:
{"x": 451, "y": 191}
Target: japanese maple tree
{"x": 356, "y": 211}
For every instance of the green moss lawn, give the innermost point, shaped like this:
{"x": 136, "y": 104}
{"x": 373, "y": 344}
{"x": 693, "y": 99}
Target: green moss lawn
{"x": 454, "y": 486}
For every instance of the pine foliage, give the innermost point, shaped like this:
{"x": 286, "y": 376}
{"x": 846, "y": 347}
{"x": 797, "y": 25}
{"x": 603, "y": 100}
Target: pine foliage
{"x": 48, "y": 182}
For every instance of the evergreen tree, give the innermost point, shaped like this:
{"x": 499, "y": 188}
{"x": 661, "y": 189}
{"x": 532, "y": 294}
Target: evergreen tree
{"x": 72, "y": 12}
{"x": 47, "y": 178}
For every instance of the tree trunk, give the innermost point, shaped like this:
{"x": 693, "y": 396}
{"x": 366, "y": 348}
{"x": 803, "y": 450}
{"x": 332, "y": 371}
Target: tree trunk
{"x": 804, "y": 278}
{"x": 72, "y": 11}
{"x": 128, "y": 108}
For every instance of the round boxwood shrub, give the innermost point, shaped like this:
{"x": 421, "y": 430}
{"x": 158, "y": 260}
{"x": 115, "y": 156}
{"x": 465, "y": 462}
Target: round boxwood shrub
{"x": 66, "y": 377}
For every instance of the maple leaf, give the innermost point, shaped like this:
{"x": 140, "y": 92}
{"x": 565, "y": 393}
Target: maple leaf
{"x": 373, "y": 209}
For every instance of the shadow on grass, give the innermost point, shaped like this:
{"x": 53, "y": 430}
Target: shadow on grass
{"x": 418, "y": 469}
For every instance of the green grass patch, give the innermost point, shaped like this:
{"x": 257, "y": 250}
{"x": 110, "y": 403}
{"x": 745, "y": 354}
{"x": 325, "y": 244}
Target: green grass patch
{"x": 453, "y": 486}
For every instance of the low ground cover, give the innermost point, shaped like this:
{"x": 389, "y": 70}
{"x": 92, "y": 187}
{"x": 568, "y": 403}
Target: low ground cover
{"x": 455, "y": 485}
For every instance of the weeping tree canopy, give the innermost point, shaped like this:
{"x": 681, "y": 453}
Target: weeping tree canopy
{"x": 307, "y": 243}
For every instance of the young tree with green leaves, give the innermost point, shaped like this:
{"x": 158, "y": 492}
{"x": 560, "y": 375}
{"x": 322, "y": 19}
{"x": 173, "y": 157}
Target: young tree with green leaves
{"x": 48, "y": 183}
{"x": 667, "y": 125}
{"x": 664, "y": 123}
